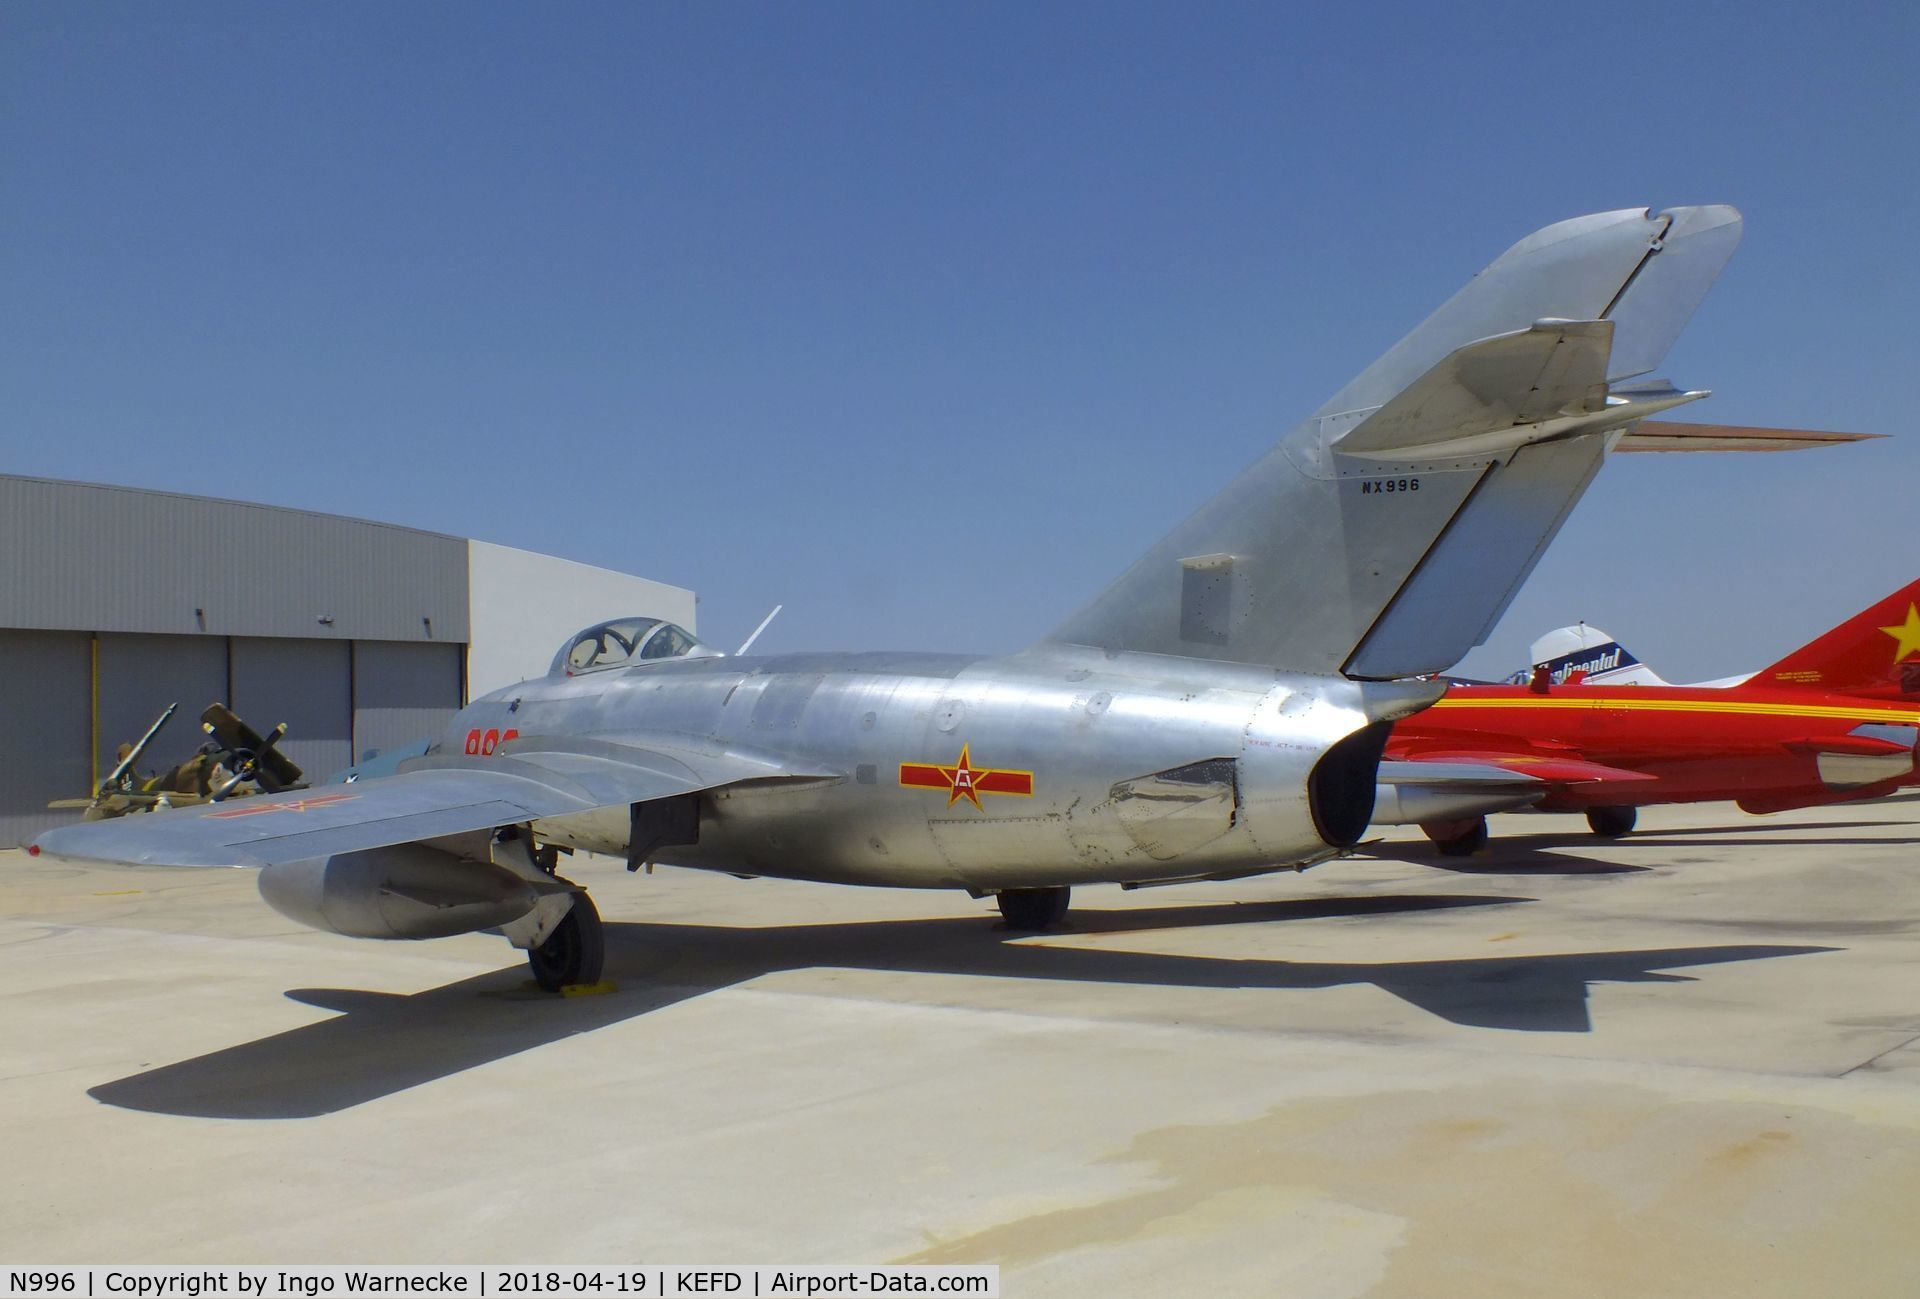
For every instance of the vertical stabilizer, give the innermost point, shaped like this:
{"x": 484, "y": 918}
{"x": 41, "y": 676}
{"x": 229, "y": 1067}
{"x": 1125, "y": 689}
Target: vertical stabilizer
{"x": 1384, "y": 535}
{"x": 1597, "y": 658}
{"x": 1877, "y": 652}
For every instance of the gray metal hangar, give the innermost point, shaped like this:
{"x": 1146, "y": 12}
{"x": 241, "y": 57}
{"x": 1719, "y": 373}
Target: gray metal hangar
{"x": 115, "y": 602}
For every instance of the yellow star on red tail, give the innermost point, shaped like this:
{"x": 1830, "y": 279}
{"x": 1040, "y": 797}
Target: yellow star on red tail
{"x": 1905, "y": 634}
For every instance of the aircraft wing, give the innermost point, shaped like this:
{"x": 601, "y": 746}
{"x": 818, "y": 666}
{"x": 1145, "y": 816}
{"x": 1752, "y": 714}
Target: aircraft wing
{"x": 1497, "y": 770}
{"x": 527, "y": 779}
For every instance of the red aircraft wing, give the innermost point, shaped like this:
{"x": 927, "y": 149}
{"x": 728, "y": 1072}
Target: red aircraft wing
{"x": 1550, "y": 768}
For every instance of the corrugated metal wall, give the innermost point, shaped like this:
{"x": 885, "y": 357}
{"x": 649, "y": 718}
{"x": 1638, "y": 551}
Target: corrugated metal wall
{"x": 84, "y": 558}
{"x": 355, "y": 634}
{"x": 194, "y": 600}
{"x": 45, "y": 720}
{"x": 306, "y": 684}
{"x": 140, "y": 676}
{"x": 337, "y": 701}
{"x": 402, "y": 693}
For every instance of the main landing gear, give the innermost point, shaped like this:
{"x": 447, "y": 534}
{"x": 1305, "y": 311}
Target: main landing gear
{"x": 562, "y": 936}
{"x": 1458, "y": 838}
{"x": 1034, "y": 909}
{"x": 575, "y": 952}
{"x": 1611, "y": 822}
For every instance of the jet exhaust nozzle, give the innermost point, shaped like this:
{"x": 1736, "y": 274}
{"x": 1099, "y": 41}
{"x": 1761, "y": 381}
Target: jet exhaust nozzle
{"x": 1341, "y": 787}
{"x": 404, "y": 891}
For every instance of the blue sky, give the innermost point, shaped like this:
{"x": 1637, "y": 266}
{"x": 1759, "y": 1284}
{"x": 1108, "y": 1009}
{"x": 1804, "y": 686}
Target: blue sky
{"x": 926, "y": 320}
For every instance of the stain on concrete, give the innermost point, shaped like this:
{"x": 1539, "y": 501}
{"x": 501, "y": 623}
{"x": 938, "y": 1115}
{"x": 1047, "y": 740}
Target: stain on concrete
{"x": 1589, "y": 1191}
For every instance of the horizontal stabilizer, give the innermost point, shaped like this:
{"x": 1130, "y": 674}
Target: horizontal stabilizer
{"x": 1492, "y": 386}
{"x": 1500, "y": 393}
{"x": 1654, "y": 435}
{"x": 1419, "y": 793}
{"x": 1468, "y": 772}
{"x": 1862, "y": 746}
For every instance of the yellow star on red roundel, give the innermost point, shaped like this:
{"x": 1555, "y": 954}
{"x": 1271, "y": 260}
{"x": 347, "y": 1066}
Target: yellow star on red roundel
{"x": 964, "y": 780}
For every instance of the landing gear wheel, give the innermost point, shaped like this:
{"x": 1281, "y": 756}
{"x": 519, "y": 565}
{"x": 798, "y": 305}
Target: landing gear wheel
{"x": 1034, "y": 909}
{"x": 1611, "y": 822}
{"x": 575, "y": 952}
{"x": 1459, "y": 838}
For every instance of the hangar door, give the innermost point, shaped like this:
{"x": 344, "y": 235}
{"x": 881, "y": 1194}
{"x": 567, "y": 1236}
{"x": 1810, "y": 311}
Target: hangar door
{"x": 140, "y": 676}
{"x": 402, "y": 692}
{"x": 45, "y": 688}
{"x": 308, "y": 685}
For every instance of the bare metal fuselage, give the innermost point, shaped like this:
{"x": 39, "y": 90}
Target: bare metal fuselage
{"x": 1092, "y": 732}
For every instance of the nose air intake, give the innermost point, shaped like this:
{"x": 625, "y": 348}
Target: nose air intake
{"x": 1340, "y": 788}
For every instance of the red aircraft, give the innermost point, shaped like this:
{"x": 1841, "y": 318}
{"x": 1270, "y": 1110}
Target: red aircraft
{"x": 1834, "y": 721}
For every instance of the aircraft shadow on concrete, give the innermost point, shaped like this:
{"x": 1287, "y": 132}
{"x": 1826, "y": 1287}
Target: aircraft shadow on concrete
{"x": 1528, "y": 856}
{"x": 382, "y": 1043}
{"x": 1733, "y": 839}
{"x": 1749, "y": 824}
{"x": 1556, "y": 853}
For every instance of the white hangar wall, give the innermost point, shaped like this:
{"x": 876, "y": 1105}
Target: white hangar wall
{"x": 524, "y": 604}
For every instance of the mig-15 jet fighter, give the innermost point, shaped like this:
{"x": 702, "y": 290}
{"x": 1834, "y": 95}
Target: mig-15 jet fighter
{"x": 1218, "y": 711}
{"x": 1595, "y": 730}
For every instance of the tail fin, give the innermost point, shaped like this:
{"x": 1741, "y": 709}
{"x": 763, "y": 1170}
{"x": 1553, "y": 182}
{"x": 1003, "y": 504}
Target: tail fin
{"x": 1877, "y": 652}
{"x": 1385, "y": 535}
{"x": 1599, "y": 658}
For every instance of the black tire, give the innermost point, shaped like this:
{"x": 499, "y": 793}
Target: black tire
{"x": 575, "y": 952}
{"x": 1467, "y": 842}
{"x": 1612, "y": 822}
{"x": 1034, "y": 909}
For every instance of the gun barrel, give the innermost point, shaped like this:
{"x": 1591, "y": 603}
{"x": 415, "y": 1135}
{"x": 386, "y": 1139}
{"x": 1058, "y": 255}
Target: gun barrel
{"x": 133, "y": 755}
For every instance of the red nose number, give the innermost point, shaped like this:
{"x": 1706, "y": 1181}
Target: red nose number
{"x": 485, "y": 742}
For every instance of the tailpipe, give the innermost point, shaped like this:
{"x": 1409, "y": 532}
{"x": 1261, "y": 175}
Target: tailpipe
{"x": 1340, "y": 789}
{"x": 1344, "y": 783}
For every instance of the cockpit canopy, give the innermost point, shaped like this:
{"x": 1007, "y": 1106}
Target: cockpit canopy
{"x": 625, "y": 642}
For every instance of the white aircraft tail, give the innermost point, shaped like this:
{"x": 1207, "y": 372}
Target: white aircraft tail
{"x": 1596, "y": 657}
{"x": 1384, "y": 535}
